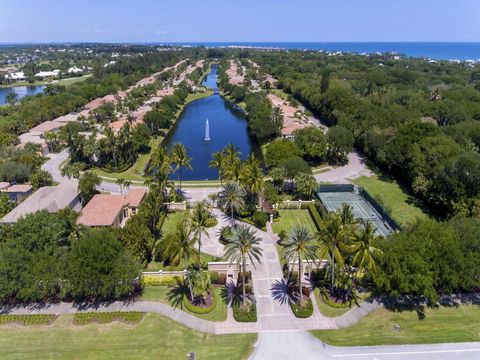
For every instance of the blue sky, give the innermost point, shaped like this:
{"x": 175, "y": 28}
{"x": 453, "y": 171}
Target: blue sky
{"x": 238, "y": 20}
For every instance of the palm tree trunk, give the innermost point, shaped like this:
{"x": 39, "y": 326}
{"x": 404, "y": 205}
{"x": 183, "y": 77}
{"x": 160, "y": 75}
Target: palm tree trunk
{"x": 231, "y": 213}
{"x": 300, "y": 277}
{"x": 243, "y": 282}
{"x": 199, "y": 245}
{"x": 180, "y": 180}
{"x": 333, "y": 270}
{"x": 190, "y": 286}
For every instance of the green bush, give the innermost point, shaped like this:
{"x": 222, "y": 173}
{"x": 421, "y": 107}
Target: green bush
{"x": 317, "y": 219}
{"x": 304, "y": 311}
{"x": 36, "y": 319}
{"x": 197, "y": 309}
{"x": 130, "y": 317}
{"x": 245, "y": 314}
{"x": 211, "y": 222}
{"x": 260, "y": 219}
{"x": 218, "y": 278}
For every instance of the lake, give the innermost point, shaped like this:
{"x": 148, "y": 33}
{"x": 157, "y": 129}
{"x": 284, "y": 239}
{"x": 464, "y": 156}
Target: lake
{"x": 228, "y": 124}
{"x": 21, "y": 91}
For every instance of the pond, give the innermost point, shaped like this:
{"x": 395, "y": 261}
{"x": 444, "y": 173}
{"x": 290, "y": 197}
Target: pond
{"x": 227, "y": 124}
{"x": 21, "y": 91}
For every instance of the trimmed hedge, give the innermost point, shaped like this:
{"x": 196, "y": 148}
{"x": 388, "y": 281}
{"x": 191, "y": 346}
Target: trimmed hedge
{"x": 130, "y": 317}
{"x": 35, "y": 319}
{"x": 260, "y": 219}
{"x": 218, "y": 278}
{"x": 197, "y": 309}
{"x": 333, "y": 304}
{"x": 302, "y": 311}
{"x": 317, "y": 219}
{"x": 150, "y": 280}
{"x": 245, "y": 315}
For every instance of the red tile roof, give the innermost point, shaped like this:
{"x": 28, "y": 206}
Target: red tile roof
{"x": 135, "y": 196}
{"x": 102, "y": 210}
{"x": 20, "y": 188}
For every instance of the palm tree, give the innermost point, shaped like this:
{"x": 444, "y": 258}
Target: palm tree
{"x": 123, "y": 184}
{"x": 363, "y": 248}
{"x": 218, "y": 162}
{"x": 111, "y": 142}
{"x": 332, "y": 240}
{"x": 160, "y": 166}
{"x": 277, "y": 117}
{"x": 200, "y": 217}
{"x": 346, "y": 215}
{"x": 181, "y": 159}
{"x": 243, "y": 243}
{"x": 231, "y": 199}
{"x": 180, "y": 247}
{"x": 298, "y": 246}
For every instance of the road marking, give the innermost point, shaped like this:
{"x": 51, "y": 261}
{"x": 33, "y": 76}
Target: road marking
{"x": 409, "y": 352}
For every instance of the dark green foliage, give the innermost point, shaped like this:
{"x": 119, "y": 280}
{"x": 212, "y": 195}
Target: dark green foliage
{"x": 302, "y": 311}
{"x": 317, "y": 218}
{"x": 260, "y": 219}
{"x": 293, "y": 166}
{"x": 14, "y": 172}
{"x": 87, "y": 186}
{"x": 40, "y": 178}
{"x": 247, "y": 313}
{"x": 280, "y": 150}
{"x": 313, "y": 144}
{"x": 260, "y": 121}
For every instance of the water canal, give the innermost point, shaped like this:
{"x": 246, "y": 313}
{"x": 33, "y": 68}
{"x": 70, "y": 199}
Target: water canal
{"x": 227, "y": 124}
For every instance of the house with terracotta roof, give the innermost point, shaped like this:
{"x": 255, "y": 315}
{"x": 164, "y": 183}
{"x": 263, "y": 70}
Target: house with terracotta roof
{"x": 111, "y": 209}
{"x": 18, "y": 192}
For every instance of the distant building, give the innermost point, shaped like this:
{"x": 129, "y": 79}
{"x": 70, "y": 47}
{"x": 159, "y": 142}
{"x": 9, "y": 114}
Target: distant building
{"x": 111, "y": 209}
{"x": 74, "y": 70}
{"x": 46, "y": 74}
{"x": 16, "y": 76}
{"x": 18, "y": 192}
{"x": 50, "y": 198}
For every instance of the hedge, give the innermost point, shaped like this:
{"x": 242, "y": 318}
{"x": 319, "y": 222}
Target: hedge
{"x": 333, "y": 304}
{"x": 150, "y": 280}
{"x": 245, "y": 315}
{"x": 317, "y": 219}
{"x": 131, "y": 317}
{"x": 36, "y": 319}
{"x": 302, "y": 311}
{"x": 218, "y": 278}
{"x": 197, "y": 309}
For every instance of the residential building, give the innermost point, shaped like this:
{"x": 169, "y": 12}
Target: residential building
{"x": 18, "y": 192}
{"x": 111, "y": 209}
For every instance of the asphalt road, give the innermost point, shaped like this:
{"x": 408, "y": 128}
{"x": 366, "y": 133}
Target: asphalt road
{"x": 292, "y": 345}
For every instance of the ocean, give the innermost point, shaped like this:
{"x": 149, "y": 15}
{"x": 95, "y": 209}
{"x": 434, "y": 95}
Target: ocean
{"x": 434, "y": 50}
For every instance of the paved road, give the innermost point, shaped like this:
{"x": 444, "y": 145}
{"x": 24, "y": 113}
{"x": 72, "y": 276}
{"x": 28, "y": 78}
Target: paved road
{"x": 293, "y": 345}
{"x": 356, "y": 167}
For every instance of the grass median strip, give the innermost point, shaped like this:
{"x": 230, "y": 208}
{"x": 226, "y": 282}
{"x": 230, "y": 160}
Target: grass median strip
{"x": 129, "y": 317}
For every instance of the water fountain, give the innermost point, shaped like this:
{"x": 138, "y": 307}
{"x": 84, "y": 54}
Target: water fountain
{"x": 207, "y": 131}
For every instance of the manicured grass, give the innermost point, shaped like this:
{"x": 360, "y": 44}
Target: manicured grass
{"x": 389, "y": 194}
{"x": 155, "y": 337}
{"x": 160, "y": 294}
{"x": 70, "y": 81}
{"x": 439, "y": 325}
{"x": 288, "y": 218}
{"x": 64, "y": 82}
{"x": 328, "y": 310}
{"x": 172, "y": 220}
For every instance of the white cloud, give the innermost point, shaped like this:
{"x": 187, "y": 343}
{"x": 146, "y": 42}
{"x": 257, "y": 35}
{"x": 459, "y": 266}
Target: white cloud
{"x": 161, "y": 32}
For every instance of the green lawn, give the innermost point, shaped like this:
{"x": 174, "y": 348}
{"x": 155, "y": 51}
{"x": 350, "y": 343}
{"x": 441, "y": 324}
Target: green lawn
{"x": 155, "y": 337}
{"x": 288, "y": 218}
{"x": 160, "y": 294}
{"x": 326, "y": 309}
{"x": 389, "y": 194}
{"x": 172, "y": 220}
{"x": 440, "y": 325}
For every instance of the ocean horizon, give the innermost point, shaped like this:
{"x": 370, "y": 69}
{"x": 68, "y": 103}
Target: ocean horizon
{"x": 433, "y": 50}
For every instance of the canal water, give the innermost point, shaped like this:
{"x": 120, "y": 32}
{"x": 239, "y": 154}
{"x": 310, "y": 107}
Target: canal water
{"x": 227, "y": 124}
{"x": 21, "y": 91}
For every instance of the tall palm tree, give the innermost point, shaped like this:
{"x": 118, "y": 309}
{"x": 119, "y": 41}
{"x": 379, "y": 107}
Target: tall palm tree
{"x": 231, "y": 199}
{"x": 346, "y": 214}
{"x": 299, "y": 246}
{"x": 181, "y": 159}
{"x": 242, "y": 244}
{"x": 363, "y": 249}
{"x": 123, "y": 184}
{"x": 332, "y": 240}
{"x": 111, "y": 142}
{"x": 199, "y": 223}
{"x": 218, "y": 162}
{"x": 277, "y": 117}
{"x": 160, "y": 166}
{"x": 180, "y": 247}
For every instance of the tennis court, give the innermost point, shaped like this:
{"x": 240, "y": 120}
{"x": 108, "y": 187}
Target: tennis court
{"x": 362, "y": 209}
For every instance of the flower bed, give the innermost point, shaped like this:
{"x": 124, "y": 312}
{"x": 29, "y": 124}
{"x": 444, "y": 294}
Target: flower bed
{"x": 130, "y": 317}
{"x": 211, "y": 302}
{"x": 37, "y": 319}
{"x": 245, "y": 314}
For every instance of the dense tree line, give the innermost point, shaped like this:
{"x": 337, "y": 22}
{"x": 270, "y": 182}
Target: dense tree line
{"x": 414, "y": 119}
{"x": 45, "y": 257}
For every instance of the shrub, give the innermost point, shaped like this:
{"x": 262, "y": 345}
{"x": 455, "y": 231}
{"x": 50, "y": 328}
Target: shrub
{"x": 211, "y": 222}
{"x": 197, "y": 309}
{"x": 225, "y": 232}
{"x": 317, "y": 219}
{"x": 245, "y": 314}
{"x": 36, "y": 319}
{"x": 334, "y": 304}
{"x": 302, "y": 311}
{"x": 218, "y": 278}
{"x": 151, "y": 280}
{"x": 130, "y": 317}
{"x": 260, "y": 219}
